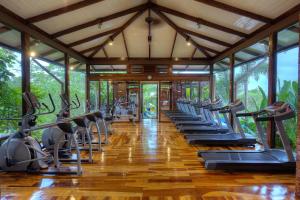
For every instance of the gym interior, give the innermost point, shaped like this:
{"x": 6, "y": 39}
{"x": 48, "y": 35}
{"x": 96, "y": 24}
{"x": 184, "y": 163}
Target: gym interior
{"x": 141, "y": 99}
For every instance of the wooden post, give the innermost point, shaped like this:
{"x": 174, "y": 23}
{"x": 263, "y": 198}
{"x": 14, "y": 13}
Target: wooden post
{"x": 231, "y": 87}
{"x": 211, "y": 82}
{"x": 25, "y": 44}
{"x": 272, "y": 77}
{"x": 67, "y": 77}
{"x": 99, "y": 95}
{"x": 298, "y": 131}
{"x": 87, "y": 88}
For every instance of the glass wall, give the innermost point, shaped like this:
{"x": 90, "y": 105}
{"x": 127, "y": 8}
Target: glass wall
{"x": 46, "y": 77}
{"x": 251, "y": 80}
{"x": 77, "y": 85}
{"x": 10, "y": 81}
{"x": 287, "y": 76}
{"x": 221, "y": 73}
{"x": 94, "y": 95}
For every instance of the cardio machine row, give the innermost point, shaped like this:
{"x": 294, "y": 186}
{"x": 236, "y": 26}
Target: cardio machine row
{"x": 63, "y": 141}
{"x": 208, "y": 123}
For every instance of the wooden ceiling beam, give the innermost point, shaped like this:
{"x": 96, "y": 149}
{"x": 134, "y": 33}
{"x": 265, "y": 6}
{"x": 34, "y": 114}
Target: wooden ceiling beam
{"x": 4, "y": 29}
{"x": 12, "y": 20}
{"x": 173, "y": 45}
{"x": 100, "y": 20}
{"x": 93, "y": 37}
{"x": 235, "y": 10}
{"x": 203, "y": 49}
{"x": 199, "y": 20}
{"x": 62, "y": 10}
{"x": 113, "y": 36}
{"x": 125, "y": 44}
{"x": 204, "y": 37}
{"x": 146, "y": 61}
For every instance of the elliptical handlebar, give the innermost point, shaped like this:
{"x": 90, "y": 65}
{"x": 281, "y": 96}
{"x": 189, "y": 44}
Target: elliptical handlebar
{"x": 35, "y": 105}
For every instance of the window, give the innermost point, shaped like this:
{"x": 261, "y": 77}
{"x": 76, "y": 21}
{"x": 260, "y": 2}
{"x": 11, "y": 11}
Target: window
{"x": 94, "y": 95}
{"x": 287, "y": 77}
{"x": 77, "y": 85}
{"x": 251, "y": 81}
{"x": 10, "y": 89}
{"x": 221, "y": 73}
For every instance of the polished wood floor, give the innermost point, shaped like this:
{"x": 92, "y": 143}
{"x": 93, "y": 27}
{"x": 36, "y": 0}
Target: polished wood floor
{"x": 148, "y": 161}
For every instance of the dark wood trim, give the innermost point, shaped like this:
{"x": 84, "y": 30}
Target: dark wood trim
{"x": 4, "y": 29}
{"x": 100, "y": 20}
{"x": 283, "y": 21}
{"x": 25, "y": 67}
{"x": 146, "y": 61}
{"x": 144, "y": 77}
{"x": 87, "y": 87}
{"x": 93, "y": 37}
{"x": 272, "y": 84}
{"x": 231, "y": 87}
{"x": 173, "y": 45}
{"x": 63, "y": 10}
{"x": 297, "y": 193}
{"x": 12, "y": 20}
{"x": 199, "y": 20}
{"x": 67, "y": 76}
{"x": 96, "y": 49}
{"x": 211, "y": 82}
{"x": 238, "y": 11}
{"x": 125, "y": 44}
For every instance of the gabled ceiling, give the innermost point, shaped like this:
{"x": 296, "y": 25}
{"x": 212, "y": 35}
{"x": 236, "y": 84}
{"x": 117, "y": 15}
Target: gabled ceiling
{"x": 209, "y": 26}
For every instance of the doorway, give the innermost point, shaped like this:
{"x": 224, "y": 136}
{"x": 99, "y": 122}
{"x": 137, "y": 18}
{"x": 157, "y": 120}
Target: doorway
{"x": 149, "y": 100}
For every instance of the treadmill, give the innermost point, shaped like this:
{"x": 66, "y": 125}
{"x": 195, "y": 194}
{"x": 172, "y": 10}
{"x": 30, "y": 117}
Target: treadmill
{"x": 216, "y": 127}
{"x": 269, "y": 159}
{"x": 229, "y": 138}
{"x": 188, "y": 113}
{"x": 200, "y": 111}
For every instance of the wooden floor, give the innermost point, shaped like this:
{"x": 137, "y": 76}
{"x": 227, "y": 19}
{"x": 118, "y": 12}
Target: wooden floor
{"x": 148, "y": 161}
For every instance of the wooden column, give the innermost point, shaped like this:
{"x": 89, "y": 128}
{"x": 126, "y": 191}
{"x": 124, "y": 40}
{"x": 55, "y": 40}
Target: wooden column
{"x": 272, "y": 76}
{"x": 99, "y": 95}
{"x": 25, "y": 68}
{"x": 298, "y": 131}
{"x": 67, "y": 76}
{"x": 87, "y": 87}
{"x": 211, "y": 82}
{"x": 231, "y": 87}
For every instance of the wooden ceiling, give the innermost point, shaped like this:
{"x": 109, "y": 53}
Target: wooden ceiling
{"x": 190, "y": 29}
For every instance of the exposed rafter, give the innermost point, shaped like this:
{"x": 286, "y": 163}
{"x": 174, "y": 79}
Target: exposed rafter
{"x": 100, "y": 20}
{"x": 106, "y": 55}
{"x": 125, "y": 44}
{"x": 198, "y": 20}
{"x": 206, "y": 37}
{"x": 4, "y": 29}
{"x": 203, "y": 49}
{"x": 98, "y": 48}
{"x": 223, "y": 6}
{"x": 62, "y": 10}
{"x": 93, "y": 37}
{"x": 173, "y": 45}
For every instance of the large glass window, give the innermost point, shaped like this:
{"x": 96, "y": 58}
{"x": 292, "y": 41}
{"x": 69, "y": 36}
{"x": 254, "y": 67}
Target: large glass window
{"x": 46, "y": 77}
{"x": 251, "y": 81}
{"x": 287, "y": 76}
{"x": 221, "y": 78}
{"x": 77, "y": 85}
{"x": 94, "y": 95}
{"x": 10, "y": 89}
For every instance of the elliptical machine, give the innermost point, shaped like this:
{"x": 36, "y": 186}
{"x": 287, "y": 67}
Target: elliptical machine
{"x": 53, "y": 135}
{"x": 22, "y": 153}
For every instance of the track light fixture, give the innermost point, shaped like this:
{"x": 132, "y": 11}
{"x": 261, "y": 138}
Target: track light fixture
{"x": 188, "y": 41}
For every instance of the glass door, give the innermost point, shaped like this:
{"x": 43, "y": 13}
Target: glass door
{"x": 149, "y": 101}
